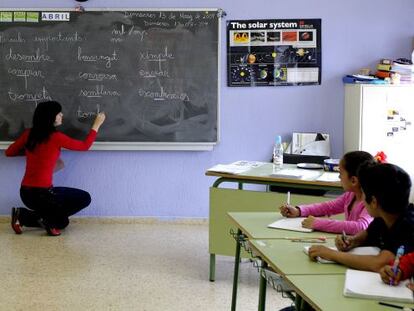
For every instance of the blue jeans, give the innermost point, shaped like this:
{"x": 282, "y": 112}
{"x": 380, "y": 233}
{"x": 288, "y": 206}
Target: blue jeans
{"x": 51, "y": 206}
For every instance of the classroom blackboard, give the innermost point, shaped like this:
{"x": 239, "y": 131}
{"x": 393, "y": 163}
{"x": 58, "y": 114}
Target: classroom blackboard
{"x": 153, "y": 72}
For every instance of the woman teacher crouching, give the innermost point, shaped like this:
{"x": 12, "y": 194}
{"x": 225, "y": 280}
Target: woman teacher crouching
{"x": 49, "y": 206}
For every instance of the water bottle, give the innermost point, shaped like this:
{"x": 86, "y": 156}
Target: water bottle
{"x": 278, "y": 153}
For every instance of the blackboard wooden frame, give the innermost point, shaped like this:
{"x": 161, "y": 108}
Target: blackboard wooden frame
{"x": 156, "y": 145}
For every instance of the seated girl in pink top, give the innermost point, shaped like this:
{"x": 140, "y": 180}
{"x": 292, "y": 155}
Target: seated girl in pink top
{"x": 350, "y": 203}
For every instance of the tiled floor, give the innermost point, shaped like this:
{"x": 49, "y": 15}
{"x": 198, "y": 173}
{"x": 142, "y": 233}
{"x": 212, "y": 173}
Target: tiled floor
{"x": 102, "y": 266}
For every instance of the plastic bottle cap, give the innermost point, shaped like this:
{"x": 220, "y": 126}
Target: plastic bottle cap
{"x": 278, "y": 139}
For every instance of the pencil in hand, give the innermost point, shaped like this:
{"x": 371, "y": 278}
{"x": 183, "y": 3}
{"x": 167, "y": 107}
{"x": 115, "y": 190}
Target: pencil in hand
{"x": 345, "y": 238}
{"x": 394, "y": 269}
{"x": 289, "y": 211}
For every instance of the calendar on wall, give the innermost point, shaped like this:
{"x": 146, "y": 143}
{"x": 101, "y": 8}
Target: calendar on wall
{"x": 274, "y": 52}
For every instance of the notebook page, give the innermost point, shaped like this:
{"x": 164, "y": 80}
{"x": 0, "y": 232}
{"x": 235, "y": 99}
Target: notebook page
{"x": 365, "y": 284}
{"x": 292, "y": 224}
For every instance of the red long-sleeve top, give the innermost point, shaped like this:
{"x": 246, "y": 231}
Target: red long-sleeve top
{"x": 406, "y": 266}
{"x": 41, "y": 162}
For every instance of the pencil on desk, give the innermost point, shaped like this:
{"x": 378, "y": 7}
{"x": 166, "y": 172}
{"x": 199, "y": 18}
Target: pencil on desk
{"x": 308, "y": 240}
{"x": 320, "y": 239}
{"x": 394, "y": 306}
{"x": 288, "y": 198}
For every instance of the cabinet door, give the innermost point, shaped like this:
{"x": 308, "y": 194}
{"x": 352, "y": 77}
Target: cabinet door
{"x": 400, "y": 140}
{"x": 374, "y": 117}
{"x": 388, "y": 118}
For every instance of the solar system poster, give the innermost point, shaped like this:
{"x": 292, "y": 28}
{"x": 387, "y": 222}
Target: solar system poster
{"x": 274, "y": 52}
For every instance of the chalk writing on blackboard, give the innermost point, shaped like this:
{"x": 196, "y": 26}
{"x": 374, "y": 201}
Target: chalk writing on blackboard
{"x": 154, "y": 73}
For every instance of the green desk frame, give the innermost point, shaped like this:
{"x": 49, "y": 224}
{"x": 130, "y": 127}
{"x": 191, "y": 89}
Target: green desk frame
{"x": 288, "y": 258}
{"x": 328, "y": 294}
{"x": 251, "y": 226}
{"x": 319, "y": 286}
{"x": 224, "y": 200}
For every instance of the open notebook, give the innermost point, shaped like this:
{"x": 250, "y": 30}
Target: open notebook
{"x": 364, "y": 250}
{"x": 364, "y": 284}
{"x": 292, "y": 224}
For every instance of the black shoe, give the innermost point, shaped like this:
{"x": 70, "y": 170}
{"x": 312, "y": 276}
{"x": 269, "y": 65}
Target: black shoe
{"x": 15, "y": 223}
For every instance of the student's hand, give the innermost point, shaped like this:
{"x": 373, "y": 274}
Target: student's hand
{"x": 388, "y": 277}
{"x": 59, "y": 165}
{"x": 410, "y": 285}
{"x": 320, "y": 251}
{"x": 308, "y": 222}
{"x": 100, "y": 118}
{"x": 344, "y": 246}
{"x": 289, "y": 211}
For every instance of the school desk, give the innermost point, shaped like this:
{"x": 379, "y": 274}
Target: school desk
{"x": 224, "y": 200}
{"x": 287, "y": 258}
{"x": 253, "y": 225}
{"x": 320, "y": 285}
{"x": 325, "y": 292}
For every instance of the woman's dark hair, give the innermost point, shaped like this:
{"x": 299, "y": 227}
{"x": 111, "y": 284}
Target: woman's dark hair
{"x": 43, "y": 125}
{"x": 354, "y": 159}
{"x": 388, "y": 183}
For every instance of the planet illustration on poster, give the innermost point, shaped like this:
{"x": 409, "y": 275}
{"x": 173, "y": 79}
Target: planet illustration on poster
{"x": 241, "y": 37}
{"x": 251, "y": 58}
{"x": 263, "y": 74}
{"x": 300, "y": 52}
{"x": 241, "y": 74}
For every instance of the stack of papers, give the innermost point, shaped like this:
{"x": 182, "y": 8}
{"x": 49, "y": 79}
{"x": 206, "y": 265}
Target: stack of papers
{"x": 238, "y": 167}
{"x": 364, "y": 284}
{"x": 329, "y": 177}
{"x": 292, "y": 224}
{"x": 364, "y": 250}
{"x": 296, "y": 173}
{"x": 405, "y": 71}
